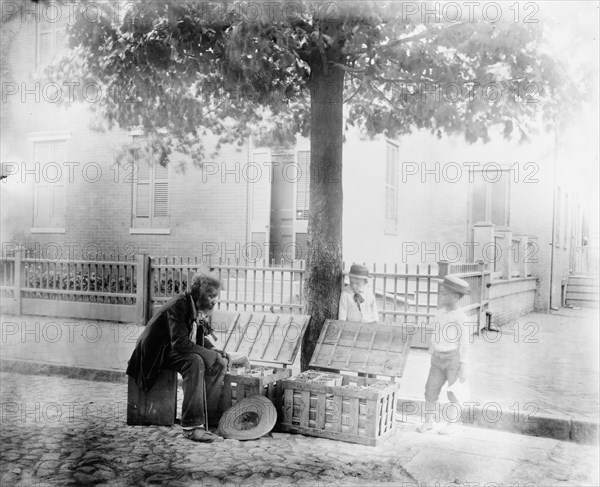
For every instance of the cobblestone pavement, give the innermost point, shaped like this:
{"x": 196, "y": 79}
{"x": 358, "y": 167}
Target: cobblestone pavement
{"x": 61, "y": 432}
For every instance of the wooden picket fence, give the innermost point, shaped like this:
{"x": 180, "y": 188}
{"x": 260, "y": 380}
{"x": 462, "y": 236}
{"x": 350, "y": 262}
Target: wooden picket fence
{"x": 118, "y": 289}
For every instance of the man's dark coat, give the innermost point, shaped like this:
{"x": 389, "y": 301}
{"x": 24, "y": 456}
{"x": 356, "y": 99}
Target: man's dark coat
{"x": 168, "y": 331}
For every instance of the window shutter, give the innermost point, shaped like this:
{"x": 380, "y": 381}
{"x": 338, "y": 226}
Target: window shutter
{"x": 161, "y": 199}
{"x": 43, "y": 206}
{"x": 161, "y": 194}
{"x": 142, "y": 202}
{"x": 60, "y": 41}
{"x": 49, "y": 196}
{"x": 57, "y": 218}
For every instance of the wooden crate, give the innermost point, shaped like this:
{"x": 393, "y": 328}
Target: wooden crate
{"x": 265, "y": 338}
{"x": 239, "y": 386}
{"x": 157, "y": 406}
{"x": 361, "y": 410}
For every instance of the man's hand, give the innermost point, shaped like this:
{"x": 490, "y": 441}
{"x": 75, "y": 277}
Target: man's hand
{"x": 225, "y": 359}
{"x": 462, "y": 373}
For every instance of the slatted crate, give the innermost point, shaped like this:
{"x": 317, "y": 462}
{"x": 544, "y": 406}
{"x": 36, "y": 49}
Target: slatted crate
{"x": 266, "y": 338}
{"x": 361, "y": 410}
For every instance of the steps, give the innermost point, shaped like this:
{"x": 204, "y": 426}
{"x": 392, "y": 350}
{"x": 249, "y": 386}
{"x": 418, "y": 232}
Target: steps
{"x": 583, "y": 291}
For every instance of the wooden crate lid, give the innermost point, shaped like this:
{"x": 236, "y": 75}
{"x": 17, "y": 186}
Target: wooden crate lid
{"x": 370, "y": 348}
{"x": 263, "y": 337}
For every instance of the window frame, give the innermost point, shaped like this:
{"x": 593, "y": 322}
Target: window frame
{"x": 54, "y": 29}
{"x": 38, "y": 226}
{"x": 152, "y": 224}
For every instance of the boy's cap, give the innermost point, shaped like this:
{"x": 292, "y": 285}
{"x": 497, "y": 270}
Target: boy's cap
{"x": 455, "y": 284}
{"x": 359, "y": 271}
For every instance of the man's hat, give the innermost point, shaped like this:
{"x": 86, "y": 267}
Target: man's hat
{"x": 455, "y": 284}
{"x": 249, "y": 419}
{"x": 359, "y": 271}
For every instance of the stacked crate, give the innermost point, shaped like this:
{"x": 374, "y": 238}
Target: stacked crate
{"x": 266, "y": 338}
{"x": 361, "y": 409}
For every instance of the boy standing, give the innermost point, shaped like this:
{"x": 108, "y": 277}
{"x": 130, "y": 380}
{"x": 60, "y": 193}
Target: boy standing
{"x": 357, "y": 302}
{"x": 449, "y": 348}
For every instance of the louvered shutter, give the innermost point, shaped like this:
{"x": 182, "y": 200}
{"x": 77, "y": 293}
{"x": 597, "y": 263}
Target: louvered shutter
{"x": 160, "y": 206}
{"x": 151, "y": 193}
{"x": 44, "y": 43}
{"x": 60, "y": 41}
{"x": 43, "y": 206}
{"x": 59, "y": 155}
{"x": 142, "y": 191}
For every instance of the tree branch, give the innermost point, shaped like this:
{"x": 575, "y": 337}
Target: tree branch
{"x": 404, "y": 40}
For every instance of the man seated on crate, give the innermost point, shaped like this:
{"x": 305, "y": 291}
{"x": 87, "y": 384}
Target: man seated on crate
{"x": 174, "y": 340}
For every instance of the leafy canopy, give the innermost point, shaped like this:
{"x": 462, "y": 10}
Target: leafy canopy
{"x": 176, "y": 67}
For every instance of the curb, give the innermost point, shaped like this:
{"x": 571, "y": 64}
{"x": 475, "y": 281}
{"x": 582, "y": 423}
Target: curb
{"x": 69, "y": 371}
{"x": 557, "y": 426}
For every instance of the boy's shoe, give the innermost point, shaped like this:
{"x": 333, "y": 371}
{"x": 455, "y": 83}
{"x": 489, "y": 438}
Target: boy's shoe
{"x": 448, "y": 429}
{"x": 200, "y": 434}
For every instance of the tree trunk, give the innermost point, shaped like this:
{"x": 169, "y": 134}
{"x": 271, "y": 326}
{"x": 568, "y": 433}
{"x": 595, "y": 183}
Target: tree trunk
{"x": 324, "y": 259}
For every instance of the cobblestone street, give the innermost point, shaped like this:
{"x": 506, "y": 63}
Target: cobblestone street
{"x": 59, "y": 431}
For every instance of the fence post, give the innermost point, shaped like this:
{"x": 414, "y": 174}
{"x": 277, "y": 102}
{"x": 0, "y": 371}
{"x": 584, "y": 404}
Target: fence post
{"x": 482, "y": 295}
{"x": 17, "y": 283}
{"x": 443, "y": 267}
{"x": 523, "y": 257}
{"x": 483, "y": 238}
{"x": 143, "y": 288}
{"x": 506, "y": 257}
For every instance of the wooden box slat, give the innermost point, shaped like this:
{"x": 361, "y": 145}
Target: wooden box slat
{"x": 378, "y": 349}
{"x": 345, "y": 413}
{"x": 262, "y": 337}
{"x": 350, "y": 412}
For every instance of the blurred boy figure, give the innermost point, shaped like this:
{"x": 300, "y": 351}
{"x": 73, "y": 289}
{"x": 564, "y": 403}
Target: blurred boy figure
{"x": 449, "y": 349}
{"x": 357, "y": 302}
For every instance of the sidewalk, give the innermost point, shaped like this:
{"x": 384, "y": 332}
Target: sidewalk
{"x": 69, "y": 432}
{"x": 539, "y": 376}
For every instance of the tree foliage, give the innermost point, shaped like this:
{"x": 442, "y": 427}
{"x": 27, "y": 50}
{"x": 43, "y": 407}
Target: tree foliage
{"x": 177, "y": 67}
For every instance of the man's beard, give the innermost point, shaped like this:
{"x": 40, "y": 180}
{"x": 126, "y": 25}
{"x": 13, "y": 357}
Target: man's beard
{"x": 205, "y": 304}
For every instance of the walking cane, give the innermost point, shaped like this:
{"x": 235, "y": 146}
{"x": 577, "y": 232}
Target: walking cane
{"x": 204, "y": 372}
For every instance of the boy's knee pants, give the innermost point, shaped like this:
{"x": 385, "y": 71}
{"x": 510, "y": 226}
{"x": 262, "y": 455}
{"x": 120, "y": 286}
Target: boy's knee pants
{"x": 444, "y": 367}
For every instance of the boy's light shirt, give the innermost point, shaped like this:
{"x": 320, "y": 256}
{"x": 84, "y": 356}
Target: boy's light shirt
{"x": 451, "y": 330}
{"x": 348, "y": 309}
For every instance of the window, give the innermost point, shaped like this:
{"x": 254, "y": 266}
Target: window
{"x": 150, "y": 191}
{"x": 391, "y": 189}
{"x": 490, "y": 197}
{"x": 51, "y": 41}
{"x": 303, "y": 186}
{"x": 49, "y": 190}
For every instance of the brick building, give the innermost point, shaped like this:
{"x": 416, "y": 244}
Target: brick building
{"x": 414, "y": 201}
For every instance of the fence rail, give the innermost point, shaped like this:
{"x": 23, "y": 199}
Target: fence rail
{"x": 126, "y": 290}
{"x": 253, "y": 287}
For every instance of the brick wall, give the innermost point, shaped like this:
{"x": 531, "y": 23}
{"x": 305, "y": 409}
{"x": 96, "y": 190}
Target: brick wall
{"x": 512, "y": 299}
{"x": 207, "y": 211}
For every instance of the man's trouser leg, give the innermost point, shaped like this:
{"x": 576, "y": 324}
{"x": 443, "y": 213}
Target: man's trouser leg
{"x": 214, "y": 385}
{"x": 191, "y": 368}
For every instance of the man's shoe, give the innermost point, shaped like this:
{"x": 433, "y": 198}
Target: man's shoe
{"x": 200, "y": 434}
